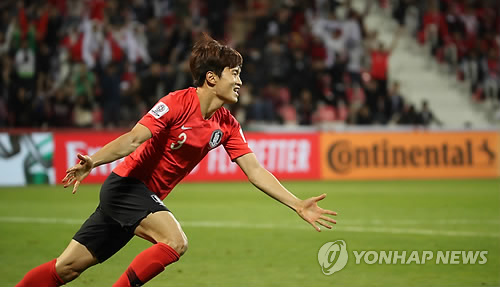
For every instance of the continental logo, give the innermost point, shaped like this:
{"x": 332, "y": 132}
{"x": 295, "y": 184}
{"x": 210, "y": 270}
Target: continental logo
{"x": 343, "y": 155}
{"x": 410, "y": 155}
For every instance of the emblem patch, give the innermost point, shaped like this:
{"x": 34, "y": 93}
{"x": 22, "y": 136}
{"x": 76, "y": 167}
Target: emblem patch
{"x": 159, "y": 110}
{"x": 216, "y": 138}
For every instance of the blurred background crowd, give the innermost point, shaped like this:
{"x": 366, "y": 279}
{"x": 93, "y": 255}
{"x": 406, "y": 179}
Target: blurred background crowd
{"x": 97, "y": 63}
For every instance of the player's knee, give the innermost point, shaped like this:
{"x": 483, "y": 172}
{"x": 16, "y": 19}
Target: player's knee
{"x": 184, "y": 247}
{"x": 180, "y": 245}
{"x": 68, "y": 272}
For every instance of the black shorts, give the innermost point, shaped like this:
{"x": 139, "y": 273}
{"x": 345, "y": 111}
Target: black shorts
{"x": 124, "y": 202}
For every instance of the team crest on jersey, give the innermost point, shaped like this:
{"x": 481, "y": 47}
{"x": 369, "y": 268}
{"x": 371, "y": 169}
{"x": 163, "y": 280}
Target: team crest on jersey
{"x": 216, "y": 138}
{"x": 159, "y": 110}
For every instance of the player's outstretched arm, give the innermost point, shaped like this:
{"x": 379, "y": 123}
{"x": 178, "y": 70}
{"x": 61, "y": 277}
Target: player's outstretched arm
{"x": 116, "y": 149}
{"x": 308, "y": 209}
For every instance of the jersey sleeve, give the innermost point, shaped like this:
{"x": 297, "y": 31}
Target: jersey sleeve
{"x": 236, "y": 145}
{"x": 161, "y": 116}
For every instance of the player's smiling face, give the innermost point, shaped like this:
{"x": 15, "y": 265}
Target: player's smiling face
{"x": 229, "y": 84}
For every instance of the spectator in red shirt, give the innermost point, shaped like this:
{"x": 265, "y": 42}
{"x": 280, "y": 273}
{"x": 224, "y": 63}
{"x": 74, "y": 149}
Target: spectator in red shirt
{"x": 164, "y": 146}
{"x": 380, "y": 63}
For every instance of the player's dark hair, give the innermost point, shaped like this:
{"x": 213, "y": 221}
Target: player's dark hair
{"x": 210, "y": 55}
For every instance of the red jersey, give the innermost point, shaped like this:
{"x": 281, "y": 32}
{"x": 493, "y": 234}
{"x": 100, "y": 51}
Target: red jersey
{"x": 380, "y": 63}
{"x": 181, "y": 137}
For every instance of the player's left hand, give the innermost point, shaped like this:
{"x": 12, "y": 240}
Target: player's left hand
{"x": 78, "y": 172}
{"x": 312, "y": 213}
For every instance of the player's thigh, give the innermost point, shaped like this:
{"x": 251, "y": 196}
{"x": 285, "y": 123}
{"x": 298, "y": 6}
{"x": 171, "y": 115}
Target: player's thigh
{"x": 102, "y": 235}
{"x": 75, "y": 257}
{"x": 163, "y": 227}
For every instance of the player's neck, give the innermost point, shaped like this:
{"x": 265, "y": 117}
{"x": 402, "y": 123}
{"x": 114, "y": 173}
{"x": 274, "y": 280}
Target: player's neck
{"x": 209, "y": 102}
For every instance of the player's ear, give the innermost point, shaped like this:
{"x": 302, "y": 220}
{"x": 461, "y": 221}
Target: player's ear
{"x": 211, "y": 78}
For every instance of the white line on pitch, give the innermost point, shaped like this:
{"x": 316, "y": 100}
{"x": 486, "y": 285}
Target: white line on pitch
{"x": 374, "y": 221}
{"x": 349, "y": 228}
{"x": 230, "y": 224}
{"x": 298, "y": 226}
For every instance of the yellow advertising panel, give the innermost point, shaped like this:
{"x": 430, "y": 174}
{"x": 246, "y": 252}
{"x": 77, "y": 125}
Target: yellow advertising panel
{"x": 418, "y": 154}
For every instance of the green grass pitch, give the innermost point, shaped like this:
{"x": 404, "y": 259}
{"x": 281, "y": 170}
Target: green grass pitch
{"x": 240, "y": 237}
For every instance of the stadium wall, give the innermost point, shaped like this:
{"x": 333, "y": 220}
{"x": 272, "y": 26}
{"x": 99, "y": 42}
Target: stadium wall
{"x": 31, "y": 157}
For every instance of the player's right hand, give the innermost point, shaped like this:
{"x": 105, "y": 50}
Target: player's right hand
{"x": 78, "y": 172}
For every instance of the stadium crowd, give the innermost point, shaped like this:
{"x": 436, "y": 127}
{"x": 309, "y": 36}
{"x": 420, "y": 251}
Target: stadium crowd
{"x": 97, "y": 63}
{"x": 464, "y": 35}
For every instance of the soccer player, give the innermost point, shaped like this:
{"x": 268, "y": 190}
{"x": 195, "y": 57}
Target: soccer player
{"x": 162, "y": 148}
